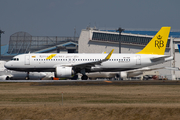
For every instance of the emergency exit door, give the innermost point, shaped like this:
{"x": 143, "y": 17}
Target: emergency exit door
{"x": 138, "y": 60}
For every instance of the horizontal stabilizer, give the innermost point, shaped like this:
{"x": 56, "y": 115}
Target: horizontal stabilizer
{"x": 156, "y": 59}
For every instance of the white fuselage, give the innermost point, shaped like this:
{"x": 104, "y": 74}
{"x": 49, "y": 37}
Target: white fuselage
{"x": 9, "y": 74}
{"x": 117, "y": 62}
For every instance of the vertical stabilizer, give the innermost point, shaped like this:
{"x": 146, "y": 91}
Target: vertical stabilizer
{"x": 157, "y": 45}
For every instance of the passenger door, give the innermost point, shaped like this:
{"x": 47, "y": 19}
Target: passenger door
{"x": 27, "y": 60}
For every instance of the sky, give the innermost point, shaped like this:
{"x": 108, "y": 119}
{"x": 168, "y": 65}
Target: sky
{"x": 61, "y": 17}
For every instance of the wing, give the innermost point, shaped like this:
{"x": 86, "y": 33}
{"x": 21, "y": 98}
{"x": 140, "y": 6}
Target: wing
{"x": 88, "y": 65}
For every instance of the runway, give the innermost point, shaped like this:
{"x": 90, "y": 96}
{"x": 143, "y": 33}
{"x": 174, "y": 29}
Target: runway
{"x": 95, "y": 82}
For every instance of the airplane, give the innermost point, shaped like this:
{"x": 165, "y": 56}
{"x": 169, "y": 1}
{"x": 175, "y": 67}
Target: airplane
{"x": 175, "y": 68}
{"x": 14, "y": 75}
{"x": 178, "y": 47}
{"x": 124, "y": 74}
{"x": 109, "y": 75}
{"x": 66, "y": 65}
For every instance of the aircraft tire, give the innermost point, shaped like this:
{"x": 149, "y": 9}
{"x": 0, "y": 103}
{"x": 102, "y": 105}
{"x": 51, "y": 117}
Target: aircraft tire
{"x": 7, "y": 78}
{"x": 75, "y": 77}
{"x": 84, "y": 77}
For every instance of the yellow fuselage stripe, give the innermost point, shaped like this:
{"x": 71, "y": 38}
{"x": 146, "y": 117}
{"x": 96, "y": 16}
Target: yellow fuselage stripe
{"x": 51, "y": 56}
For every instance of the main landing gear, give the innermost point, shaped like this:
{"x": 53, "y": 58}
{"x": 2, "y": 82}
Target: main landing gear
{"x": 84, "y": 77}
{"x": 27, "y": 77}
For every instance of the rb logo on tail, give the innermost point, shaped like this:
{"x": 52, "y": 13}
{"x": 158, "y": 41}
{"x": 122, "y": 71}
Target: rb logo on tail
{"x": 157, "y": 45}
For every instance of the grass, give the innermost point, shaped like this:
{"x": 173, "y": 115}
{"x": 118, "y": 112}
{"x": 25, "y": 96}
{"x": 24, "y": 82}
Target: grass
{"x": 133, "y": 102}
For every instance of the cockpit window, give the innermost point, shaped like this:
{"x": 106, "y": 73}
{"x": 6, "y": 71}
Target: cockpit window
{"x": 15, "y": 59}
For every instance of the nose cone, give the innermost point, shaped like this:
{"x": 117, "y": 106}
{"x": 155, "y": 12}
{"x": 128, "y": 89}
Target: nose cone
{"x": 7, "y": 65}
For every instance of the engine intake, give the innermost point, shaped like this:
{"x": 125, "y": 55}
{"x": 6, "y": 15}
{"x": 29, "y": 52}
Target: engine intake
{"x": 63, "y": 72}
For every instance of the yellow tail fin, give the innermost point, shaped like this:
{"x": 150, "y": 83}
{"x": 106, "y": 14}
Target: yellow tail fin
{"x": 157, "y": 45}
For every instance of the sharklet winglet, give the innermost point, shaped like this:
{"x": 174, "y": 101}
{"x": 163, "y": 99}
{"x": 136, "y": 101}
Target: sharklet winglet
{"x": 109, "y": 55}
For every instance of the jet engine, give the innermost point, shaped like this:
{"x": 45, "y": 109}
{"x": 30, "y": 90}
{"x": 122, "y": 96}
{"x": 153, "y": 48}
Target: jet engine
{"x": 124, "y": 74}
{"x": 133, "y": 74}
{"x": 63, "y": 72}
{"x": 4, "y": 77}
{"x": 130, "y": 74}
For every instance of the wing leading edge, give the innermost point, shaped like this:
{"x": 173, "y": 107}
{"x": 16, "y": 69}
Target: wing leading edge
{"x": 88, "y": 65}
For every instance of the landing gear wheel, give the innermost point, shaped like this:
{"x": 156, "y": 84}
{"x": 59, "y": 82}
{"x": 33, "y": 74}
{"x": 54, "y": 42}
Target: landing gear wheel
{"x": 7, "y": 78}
{"x": 27, "y": 77}
{"x": 75, "y": 77}
{"x": 84, "y": 77}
